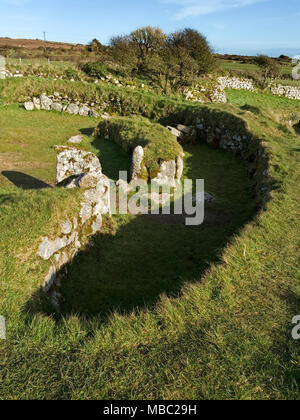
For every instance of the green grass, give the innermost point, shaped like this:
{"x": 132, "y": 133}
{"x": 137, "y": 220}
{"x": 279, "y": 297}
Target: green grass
{"x": 27, "y": 146}
{"x": 227, "y": 335}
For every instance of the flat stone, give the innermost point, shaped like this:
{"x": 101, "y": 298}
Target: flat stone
{"x": 76, "y": 139}
{"x": 75, "y": 162}
{"x": 174, "y": 131}
{"x": 167, "y": 174}
{"x": 48, "y": 247}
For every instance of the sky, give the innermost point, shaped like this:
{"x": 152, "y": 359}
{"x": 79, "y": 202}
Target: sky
{"x": 231, "y": 26}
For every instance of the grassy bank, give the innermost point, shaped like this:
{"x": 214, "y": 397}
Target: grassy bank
{"x": 220, "y": 327}
{"x": 158, "y": 143}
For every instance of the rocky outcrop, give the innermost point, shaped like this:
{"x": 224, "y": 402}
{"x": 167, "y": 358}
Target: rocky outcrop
{"x": 60, "y": 250}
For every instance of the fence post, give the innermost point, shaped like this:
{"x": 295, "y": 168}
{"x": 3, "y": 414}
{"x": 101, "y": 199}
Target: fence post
{"x": 2, "y": 67}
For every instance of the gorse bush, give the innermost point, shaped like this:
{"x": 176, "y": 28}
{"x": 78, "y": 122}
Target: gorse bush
{"x": 97, "y": 70}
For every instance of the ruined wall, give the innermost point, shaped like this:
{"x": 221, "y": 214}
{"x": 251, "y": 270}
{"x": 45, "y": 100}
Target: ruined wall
{"x": 75, "y": 169}
{"x": 236, "y": 83}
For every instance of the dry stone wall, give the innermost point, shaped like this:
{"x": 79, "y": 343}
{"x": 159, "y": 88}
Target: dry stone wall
{"x": 77, "y": 169}
{"x": 231, "y": 136}
{"x": 236, "y": 83}
{"x": 59, "y": 103}
{"x": 291, "y": 92}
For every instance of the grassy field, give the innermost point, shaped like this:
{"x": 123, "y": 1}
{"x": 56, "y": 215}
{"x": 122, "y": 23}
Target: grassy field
{"x": 153, "y": 309}
{"x": 240, "y": 67}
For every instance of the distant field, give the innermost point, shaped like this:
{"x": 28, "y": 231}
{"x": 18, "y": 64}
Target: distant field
{"x": 239, "y": 66}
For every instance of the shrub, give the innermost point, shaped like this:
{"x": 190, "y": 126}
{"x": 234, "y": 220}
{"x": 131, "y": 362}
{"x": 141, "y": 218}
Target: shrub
{"x": 97, "y": 69}
{"x": 72, "y": 74}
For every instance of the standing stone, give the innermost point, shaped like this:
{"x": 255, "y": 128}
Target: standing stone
{"x": 179, "y": 168}
{"x": 137, "y": 163}
{"x": 75, "y": 162}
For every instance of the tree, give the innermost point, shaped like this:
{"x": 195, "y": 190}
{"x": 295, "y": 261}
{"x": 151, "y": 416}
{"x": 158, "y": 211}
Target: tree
{"x": 124, "y": 52}
{"x": 95, "y": 46}
{"x": 196, "y": 47}
{"x": 148, "y": 41}
{"x": 270, "y": 69}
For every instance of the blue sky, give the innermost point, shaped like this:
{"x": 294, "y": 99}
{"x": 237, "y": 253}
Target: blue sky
{"x": 241, "y": 26}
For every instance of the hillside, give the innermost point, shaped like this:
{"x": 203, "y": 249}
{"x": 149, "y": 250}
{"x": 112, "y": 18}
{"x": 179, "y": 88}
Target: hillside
{"x": 32, "y": 44}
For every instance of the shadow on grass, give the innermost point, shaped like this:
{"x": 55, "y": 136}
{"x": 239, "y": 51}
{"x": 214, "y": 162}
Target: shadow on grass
{"x": 111, "y": 157}
{"x": 24, "y": 181}
{"x": 137, "y": 259}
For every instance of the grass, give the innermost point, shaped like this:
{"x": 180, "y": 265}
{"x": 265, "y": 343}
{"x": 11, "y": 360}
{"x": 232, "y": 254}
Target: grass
{"x": 152, "y": 258}
{"x": 227, "y": 335}
{"x": 27, "y": 146}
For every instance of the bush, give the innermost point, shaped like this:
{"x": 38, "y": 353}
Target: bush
{"x": 97, "y": 70}
{"x": 72, "y": 74}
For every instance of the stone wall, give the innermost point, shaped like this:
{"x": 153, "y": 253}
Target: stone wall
{"x": 291, "y": 92}
{"x": 60, "y": 103}
{"x": 231, "y": 135}
{"x": 236, "y": 83}
{"x": 75, "y": 169}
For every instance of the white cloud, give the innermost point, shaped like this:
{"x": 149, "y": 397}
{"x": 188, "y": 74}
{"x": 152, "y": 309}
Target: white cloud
{"x": 205, "y": 7}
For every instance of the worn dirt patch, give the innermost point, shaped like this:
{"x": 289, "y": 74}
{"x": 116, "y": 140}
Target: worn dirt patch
{"x": 10, "y": 161}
